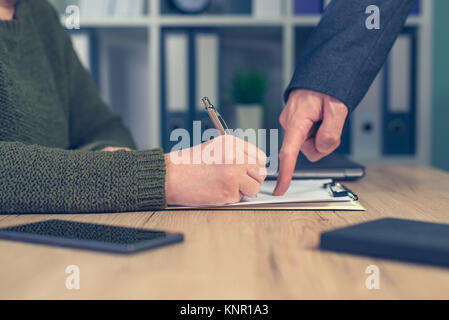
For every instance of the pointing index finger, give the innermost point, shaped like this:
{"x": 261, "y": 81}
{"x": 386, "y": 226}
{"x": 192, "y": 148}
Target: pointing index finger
{"x": 294, "y": 138}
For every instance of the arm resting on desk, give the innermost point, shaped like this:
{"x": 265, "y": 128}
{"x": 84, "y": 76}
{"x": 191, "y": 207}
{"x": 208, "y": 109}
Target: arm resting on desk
{"x": 35, "y": 179}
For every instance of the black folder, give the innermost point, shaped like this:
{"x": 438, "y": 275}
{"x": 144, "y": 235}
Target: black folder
{"x": 397, "y": 239}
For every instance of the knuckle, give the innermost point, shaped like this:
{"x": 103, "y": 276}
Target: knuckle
{"x": 282, "y": 120}
{"x": 330, "y": 138}
{"x": 285, "y": 154}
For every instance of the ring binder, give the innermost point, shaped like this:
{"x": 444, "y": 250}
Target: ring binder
{"x": 400, "y": 96}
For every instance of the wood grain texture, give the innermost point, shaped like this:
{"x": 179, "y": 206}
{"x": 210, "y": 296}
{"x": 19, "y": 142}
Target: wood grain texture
{"x": 242, "y": 254}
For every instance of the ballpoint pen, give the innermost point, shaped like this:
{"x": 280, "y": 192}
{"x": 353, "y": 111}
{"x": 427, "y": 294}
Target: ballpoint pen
{"x": 215, "y": 116}
{"x": 217, "y": 120}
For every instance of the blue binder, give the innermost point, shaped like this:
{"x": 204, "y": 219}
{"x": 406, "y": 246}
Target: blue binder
{"x": 308, "y": 7}
{"x": 399, "y": 108}
{"x": 417, "y": 8}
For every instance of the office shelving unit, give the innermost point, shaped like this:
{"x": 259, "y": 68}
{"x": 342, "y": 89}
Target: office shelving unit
{"x": 155, "y": 21}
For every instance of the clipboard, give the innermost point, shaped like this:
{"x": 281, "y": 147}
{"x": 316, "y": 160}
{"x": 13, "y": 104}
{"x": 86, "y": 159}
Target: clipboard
{"x": 303, "y": 195}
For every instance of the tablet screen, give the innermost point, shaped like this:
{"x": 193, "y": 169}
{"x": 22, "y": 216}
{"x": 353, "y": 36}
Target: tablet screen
{"x": 82, "y": 234}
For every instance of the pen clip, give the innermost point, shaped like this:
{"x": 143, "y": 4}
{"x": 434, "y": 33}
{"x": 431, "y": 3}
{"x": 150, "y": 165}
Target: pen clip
{"x": 338, "y": 190}
{"x": 218, "y": 121}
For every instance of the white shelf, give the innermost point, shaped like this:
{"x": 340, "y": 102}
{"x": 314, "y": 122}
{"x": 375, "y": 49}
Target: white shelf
{"x": 108, "y": 22}
{"x": 207, "y": 21}
{"x": 218, "y": 20}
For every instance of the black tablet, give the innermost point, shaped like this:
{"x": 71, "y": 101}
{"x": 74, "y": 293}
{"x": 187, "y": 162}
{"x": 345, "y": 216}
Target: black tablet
{"x": 90, "y": 236}
{"x": 398, "y": 239}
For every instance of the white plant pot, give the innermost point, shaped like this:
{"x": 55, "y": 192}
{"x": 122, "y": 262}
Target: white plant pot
{"x": 249, "y": 116}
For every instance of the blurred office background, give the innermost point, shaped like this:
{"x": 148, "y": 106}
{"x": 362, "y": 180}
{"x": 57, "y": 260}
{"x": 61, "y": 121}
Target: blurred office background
{"x": 153, "y": 61}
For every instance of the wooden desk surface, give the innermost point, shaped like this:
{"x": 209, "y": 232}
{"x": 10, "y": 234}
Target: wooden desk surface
{"x": 241, "y": 255}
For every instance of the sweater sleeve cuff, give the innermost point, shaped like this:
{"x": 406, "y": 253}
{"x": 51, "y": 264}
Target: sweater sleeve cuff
{"x": 151, "y": 180}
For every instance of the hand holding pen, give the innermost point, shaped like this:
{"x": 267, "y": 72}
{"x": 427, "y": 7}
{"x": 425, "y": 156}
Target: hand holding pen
{"x": 218, "y": 176}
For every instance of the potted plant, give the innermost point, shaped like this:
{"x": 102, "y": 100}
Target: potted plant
{"x": 248, "y": 91}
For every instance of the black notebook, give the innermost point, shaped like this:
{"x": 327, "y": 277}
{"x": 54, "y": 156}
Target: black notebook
{"x": 335, "y": 166}
{"x": 403, "y": 240}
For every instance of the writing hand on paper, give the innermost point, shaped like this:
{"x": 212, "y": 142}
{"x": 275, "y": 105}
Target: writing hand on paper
{"x": 313, "y": 123}
{"x": 218, "y": 172}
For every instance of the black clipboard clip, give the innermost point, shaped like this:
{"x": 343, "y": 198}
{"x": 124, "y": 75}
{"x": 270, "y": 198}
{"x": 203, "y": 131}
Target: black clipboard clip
{"x": 338, "y": 190}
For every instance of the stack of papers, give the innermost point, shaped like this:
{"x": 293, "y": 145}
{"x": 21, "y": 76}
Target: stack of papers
{"x": 302, "y": 195}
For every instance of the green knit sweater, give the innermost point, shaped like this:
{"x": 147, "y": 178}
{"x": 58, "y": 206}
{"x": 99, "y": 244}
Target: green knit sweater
{"x": 52, "y": 124}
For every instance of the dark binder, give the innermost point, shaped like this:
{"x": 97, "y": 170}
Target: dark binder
{"x": 397, "y": 239}
{"x": 175, "y": 116}
{"x": 399, "y": 121}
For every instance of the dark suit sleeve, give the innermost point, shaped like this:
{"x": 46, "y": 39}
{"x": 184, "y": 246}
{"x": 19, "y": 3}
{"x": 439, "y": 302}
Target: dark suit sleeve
{"x": 342, "y": 56}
